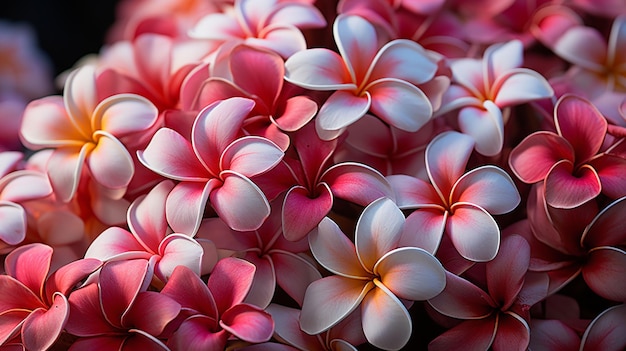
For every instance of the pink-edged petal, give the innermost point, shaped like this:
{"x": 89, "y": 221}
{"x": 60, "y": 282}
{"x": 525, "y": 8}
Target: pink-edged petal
{"x": 474, "y": 232}
{"x": 248, "y": 323}
{"x": 294, "y": 274}
{"x": 264, "y": 282}
{"x": 217, "y": 26}
{"x": 462, "y": 299}
{"x": 551, "y": 22}
{"x": 400, "y": 104}
{"x": 287, "y": 328}
{"x": 141, "y": 340}
{"x": 378, "y": 231}
{"x": 86, "y": 317}
{"x": 146, "y": 215}
{"x": 230, "y": 282}
{"x": 386, "y": 321}
{"x": 42, "y": 327}
{"x": 502, "y": 58}
{"x": 301, "y": 15}
{"x": 238, "y": 195}
{"x": 112, "y": 242}
{"x": 329, "y": 300}
{"x": 17, "y": 296}
{"x": 297, "y": 111}
{"x": 11, "y": 327}
{"x": 581, "y": 124}
{"x": 565, "y": 190}
{"x": 520, "y": 86}
{"x": 24, "y": 185}
{"x": 357, "y": 183}
{"x": 424, "y": 229}
{"x": 110, "y": 163}
{"x": 80, "y": 95}
{"x": 334, "y": 250}
{"x": 46, "y": 124}
{"x": 13, "y": 219}
{"x": 446, "y": 158}
{"x": 357, "y": 43}
{"x": 215, "y": 89}
{"x": 607, "y": 228}
{"x": 99, "y": 343}
{"x": 318, "y": 69}
{"x": 603, "y": 272}
{"x": 65, "y": 279}
{"x": 297, "y": 200}
{"x": 610, "y": 169}
{"x": 195, "y": 334}
{"x": 489, "y": 187}
{"x": 144, "y": 316}
{"x": 533, "y": 157}
{"x": 190, "y": 292}
{"x": 250, "y": 156}
{"x": 606, "y": 331}
{"x": 342, "y": 109}
{"x": 582, "y": 46}
{"x": 403, "y": 59}
{"x": 471, "y": 335}
{"x": 412, "y": 192}
{"x": 506, "y": 272}
{"x": 119, "y": 283}
{"x": 175, "y": 250}
{"x": 258, "y": 72}
{"x": 411, "y": 273}
{"x": 186, "y": 218}
{"x": 171, "y": 155}
{"x": 284, "y": 40}
{"x": 124, "y": 114}
{"x": 485, "y": 125}
{"x": 513, "y": 333}
{"x": 68, "y": 165}
{"x": 30, "y": 265}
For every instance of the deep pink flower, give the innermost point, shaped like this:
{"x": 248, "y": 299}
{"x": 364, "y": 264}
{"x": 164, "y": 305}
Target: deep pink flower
{"x": 606, "y": 331}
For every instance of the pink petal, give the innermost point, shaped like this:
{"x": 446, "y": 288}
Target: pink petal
{"x": 565, "y": 190}
{"x": 248, "y": 323}
{"x": 603, "y": 272}
{"x": 500, "y": 59}
{"x": 357, "y": 43}
{"x": 30, "y": 265}
{"x": 551, "y": 22}
{"x": 462, "y": 300}
{"x": 287, "y": 327}
{"x": 42, "y": 327}
{"x": 86, "y": 317}
{"x": 13, "y": 219}
{"x": 424, "y": 229}
{"x": 297, "y": 200}
{"x": 581, "y": 124}
{"x": 474, "y": 233}
{"x": 46, "y": 124}
{"x": 217, "y": 26}
{"x": 552, "y": 335}
{"x": 357, "y": 183}
{"x": 258, "y": 72}
{"x": 329, "y": 300}
{"x": 125, "y": 114}
{"x": 140, "y": 340}
{"x": 606, "y": 331}
{"x": 521, "y": 85}
{"x": 230, "y": 282}
{"x": 196, "y": 334}
{"x": 112, "y": 242}
{"x": 340, "y": 110}
{"x": 171, "y": 155}
{"x": 99, "y": 343}
{"x": 65, "y": 279}
{"x": 190, "y": 292}
{"x": 318, "y": 69}
{"x": 11, "y": 327}
{"x": 607, "y": 228}
{"x": 411, "y": 192}
{"x": 110, "y": 163}
{"x": 506, "y": 272}
{"x": 119, "y": 283}
{"x": 186, "y": 218}
{"x": 582, "y": 46}
{"x": 294, "y": 274}
{"x": 175, "y": 250}
{"x": 17, "y": 296}
{"x": 65, "y": 175}
{"x": 610, "y": 169}
{"x": 471, "y": 335}
{"x": 617, "y": 39}
{"x": 485, "y": 125}
{"x": 403, "y": 59}
{"x": 334, "y": 250}
{"x": 251, "y": 156}
{"x": 400, "y": 104}
{"x": 24, "y": 185}
{"x": 264, "y": 283}
{"x": 446, "y": 158}
{"x": 146, "y": 215}
{"x": 297, "y": 112}
{"x": 378, "y": 231}
{"x": 300, "y": 15}
{"x": 239, "y": 195}
{"x": 411, "y": 273}
{"x": 386, "y": 322}
{"x": 144, "y": 316}
{"x": 285, "y": 40}
{"x": 80, "y": 94}
{"x": 513, "y": 333}
{"x": 533, "y": 157}
{"x": 468, "y": 73}
{"x": 489, "y": 187}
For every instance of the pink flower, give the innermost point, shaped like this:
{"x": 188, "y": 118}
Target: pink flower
{"x": 215, "y": 167}
{"x": 83, "y": 131}
{"x": 215, "y": 311}
{"x": 606, "y": 331}
{"x": 372, "y": 274}
{"x": 365, "y": 77}
{"x": 34, "y": 305}
{"x": 569, "y": 162}
{"x": 456, "y": 202}
{"x": 482, "y": 89}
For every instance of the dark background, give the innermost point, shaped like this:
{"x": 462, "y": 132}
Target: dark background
{"x": 66, "y": 29}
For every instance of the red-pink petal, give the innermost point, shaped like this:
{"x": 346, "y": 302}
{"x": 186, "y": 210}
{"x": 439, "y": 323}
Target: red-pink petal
{"x": 175, "y": 250}
{"x": 603, "y": 272}
{"x": 119, "y": 283}
{"x": 112, "y": 242}
{"x": 552, "y": 334}
{"x": 30, "y": 265}
{"x": 412, "y": 192}
{"x": 65, "y": 279}
{"x": 297, "y": 200}
{"x": 471, "y": 335}
{"x": 357, "y": 42}
{"x": 186, "y": 218}
{"x": 533, "y": 157}
{"x": 607, "y": 228}
{"x": 86, "y": 317}
{"x": 16, "y": 296}
{"x": 42, "y": 327}
{"x": 190, "y": 292}
{"x": 297, "y": 111}
{"x": 474, "y": 232}
{"x": 462, "y": 299}
{"x": 151, "y": 312}
{"x": 258, "y": 72}
{"x": 581, "y": 124}
{"x": 248, "y": 323}
{"x": 606, "y": 331}
{"x": 513, "y": 333}
{"x": 424, "y": 229}
{"x": 610, "y": 169}
{"x": 146, "y": 215}
{"x": 230, "y": 282}
{"x": 196, "y": 334}
{"x": 506, "y": 272}
{"x": 251, "y": 156}
{"x": 566, "y": 190}
{"x": 357, "y": 183}
{"x": 446, "y": 158}
{"x": 294, "y": 274}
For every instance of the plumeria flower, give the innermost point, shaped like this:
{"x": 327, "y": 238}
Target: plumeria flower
{"x": 214, "y": 168}
{"x": 496, "y": 317}
{"x": 372, "y": 275}
{"x": 455, "y": 202}
{"x": 150, "y": 238}
{"x": 117, "y": 311}
{"x": 215, "y": 311}
{"x": 34, "y": 304}
{"x": 606, "y": 331}
{"x": 569, "y": 162}
{"x": 365, "y": 77}
{"x": 269, "y": 24}
{"x": 85, "y": 132}
{"x": 483, "y": 89}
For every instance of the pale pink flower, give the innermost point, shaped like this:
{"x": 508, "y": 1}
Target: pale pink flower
{"x": 85, "y": 132}
{"x": 373, "y": 275}
{"x": 215, "y": 168}
{"x": 456, "y": 202}
{"x": 483, "y": 89}
{"x": 365, "y": 77}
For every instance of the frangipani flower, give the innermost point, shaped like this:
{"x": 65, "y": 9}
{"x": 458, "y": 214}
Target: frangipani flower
{"x": 569, "y": 161}
{"x": 34, "y": 305}
{"x": 372, "y": 274}
{"x": 455, "y": 202}
{"x": 365, "y": 77}
{"x": 214, "y": 167}
{"x": 482, "y": 89}
{"x": 215, "y": 311}
{"x": 606, "y": 331}
{"x": 84, "y": 131}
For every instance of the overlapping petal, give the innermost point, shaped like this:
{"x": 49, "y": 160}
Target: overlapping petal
{"x": 318, "y": 69}
{"x": 400, "y": 104}
{"x": 474, "y": 232}
{"x": 386, "y": 322}
{"x": 248, "y": 322}
{"x": 110, "y": 163}
{"x": 603, "y": 271}
{"x": 565, "y": 190}
{"x": 42, "y": 327}
{"x": 446, "y": 159}
{"x": 489, "y": 187}
{"x": 296, "y": 227}
{"x": 533, "y": 157}
{"x": 485, "y": 125}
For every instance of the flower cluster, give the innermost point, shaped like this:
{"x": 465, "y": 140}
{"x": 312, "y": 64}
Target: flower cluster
{"x": 320, "y": 175}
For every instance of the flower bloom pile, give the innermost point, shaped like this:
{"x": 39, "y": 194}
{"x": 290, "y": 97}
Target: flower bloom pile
{"x": 267, "y": 175}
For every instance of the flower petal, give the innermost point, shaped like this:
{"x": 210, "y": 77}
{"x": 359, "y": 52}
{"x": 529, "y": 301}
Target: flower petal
{"x": 297, "y": 112}
{"x": 248, "y": 323}
{"x": 175, "y": 250}
{"x": 110, "y": 163}
{"x": 297, "y": 200}
{"x": 30, "y": 264}
{"x": 533, "y": 157}
{"x": 80, "y": 95}
{"x": 403, "y": 59}
{"x": 513, "y": 333}
{"x": 340, "y": 110}
{"x": 424, "y": 229}
{"x": 125, "y": 114}
{"x": 603, "y": 271}
{"x": 112, "y": 242}
{"x": 144, "y": 316}
{"x": 250, "y": 156}
{"x": 258, "y": 72}
{"x": 46, "y": 124}
{"x": 13, "y": 219}
{"x": 607, "y": 228}
{"x": 186, "y": 203}
{"x": 506, "y": 272}
{"x": 334, "y": 250}
{"x": 230, "y": 282}
{"x": 146, "y": 215}
{"x": 294, "y": 274}
{"x": 581, "y": 124}
{"x": 357, "y": 183}
{"x": 238, "y": 195}
{"x": 474, "y": 232}
{"x": 386, "y": 321}
{"x": 68, "y": 165}
{"x": 357, "y": 43}
{"x": 565, "y": 190}
{"x": 521, "y": 85}
{"x": 462, "y": 300}
{"x": 582, "y": 46}
{"x": 119, "y": 283}
{"x": 86, "y": 317}
{"x": 485, "y": 125}
{"x": 42, "y": 327}
{"x": 489, "y": 187}
{"x": 446, "y": 158}
{"x": 412, "y": 192}
{"x": 190, "y": 292}
{"x": 17, "y": 296}
{"x": 318, "y": 69}
{"x": 400, "y": 104}
{"x": 605, "y": 332}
